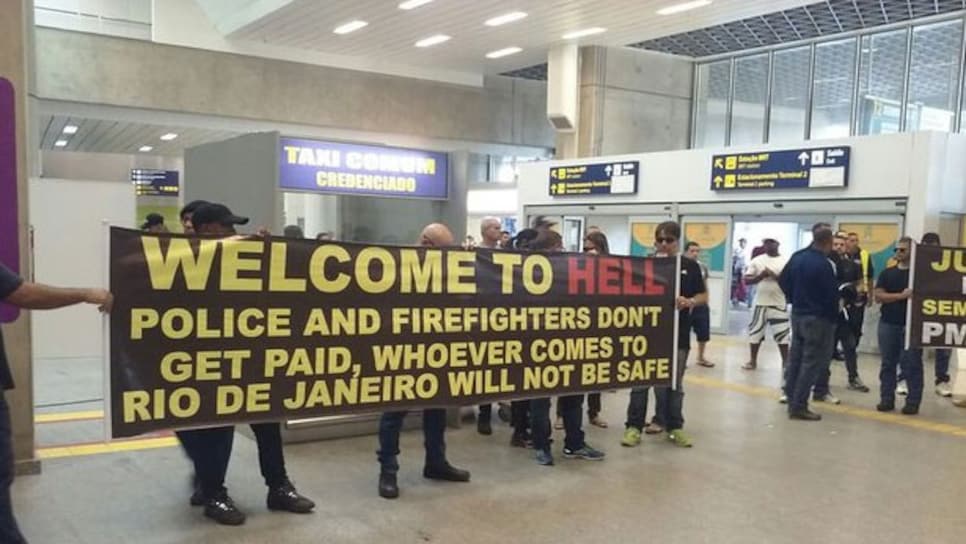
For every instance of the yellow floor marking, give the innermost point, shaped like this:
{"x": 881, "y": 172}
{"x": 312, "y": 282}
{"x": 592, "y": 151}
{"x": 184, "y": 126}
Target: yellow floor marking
{"x": 864, "y": 413}
{"x": 59, "y": 417}
{"x": 108, "y": 447}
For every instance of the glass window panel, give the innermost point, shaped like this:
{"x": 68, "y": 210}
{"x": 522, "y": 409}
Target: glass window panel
{"x": 748, "y": 107}
{"x": 882, "y": 71}
{"x": 789, "y": 95}
{"x": 934, "y": 76}
{"x": 711, "y": 115}
{"x": 833, "y": 86}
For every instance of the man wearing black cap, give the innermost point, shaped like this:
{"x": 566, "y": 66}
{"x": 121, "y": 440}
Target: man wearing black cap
{"x": 154, "y": 223}
{"x": 187, "y": 212}
{"x": 32, "y": 296}
{"x": 211, "y": 455}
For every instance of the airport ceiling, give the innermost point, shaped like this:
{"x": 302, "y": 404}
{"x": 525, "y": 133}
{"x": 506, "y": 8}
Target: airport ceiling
{"x": 71, "y": 133}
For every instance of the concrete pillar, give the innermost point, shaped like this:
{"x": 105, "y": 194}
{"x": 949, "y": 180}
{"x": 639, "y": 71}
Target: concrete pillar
{"x": 15, "y": 25}
{"x": 632, "y": 101}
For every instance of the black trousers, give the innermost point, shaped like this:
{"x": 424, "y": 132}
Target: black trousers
{"x": 9, "y": 532}
{"x": 210, "y": 451}
{"x": 520, "y": 417}
{"x": 593, "y": 405}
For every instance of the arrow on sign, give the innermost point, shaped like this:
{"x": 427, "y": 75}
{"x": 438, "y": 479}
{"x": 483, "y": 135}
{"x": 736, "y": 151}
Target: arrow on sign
{"x": 553, "y": 173}
{"x": 718, "y": 163}
{"x": 717, "y": 182}
{"x": 608, "y": 169}
{"x": 803, "y": 158}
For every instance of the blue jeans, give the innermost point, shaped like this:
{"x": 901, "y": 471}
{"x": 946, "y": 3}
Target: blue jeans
{"x": 9, "y": 532}
{"x": 891, "y": 341}
{"x": 942, "y": 365}
{"x": 434, "y": 427}
{"x": 669, "y": 409}
{"x": 809, "y": 356}
{"x": 571, "y": 408}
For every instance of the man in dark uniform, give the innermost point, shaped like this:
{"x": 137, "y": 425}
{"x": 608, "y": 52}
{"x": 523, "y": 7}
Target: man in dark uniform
{"x": 31, "y": 296}
{"x": 210, "y": 448}
{"x": 434, "y": 419}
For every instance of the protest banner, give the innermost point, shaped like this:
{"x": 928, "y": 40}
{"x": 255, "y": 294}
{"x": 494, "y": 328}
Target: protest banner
{"x": 221, "y": 331}
{"x": 937, "y": 311}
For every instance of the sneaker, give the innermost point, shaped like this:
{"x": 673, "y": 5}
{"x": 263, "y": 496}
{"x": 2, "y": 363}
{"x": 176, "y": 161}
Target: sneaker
{"x": 286, "y": 498}
{"x": 679, "y": 438}
{"x": 653, "y": 428}
{"x": 827, "y": 398}
{"x": 544, "y": 458}
{"x": 943, "y": 389}
{"x": 910, "y": 410}
{"x": 805, "y": 415}
{"x": 632, "y": 437}
{"x": 783, "y": 399}
{"x": 902, "y": 389}
{"x": 585, "y": 452}
{"x": 223, "y": 510}
{"x": 857, "y": 385}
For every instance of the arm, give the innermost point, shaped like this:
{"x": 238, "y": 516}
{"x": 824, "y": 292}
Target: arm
{"x": 882, "y": 297}
{"x": 37, "y": 296}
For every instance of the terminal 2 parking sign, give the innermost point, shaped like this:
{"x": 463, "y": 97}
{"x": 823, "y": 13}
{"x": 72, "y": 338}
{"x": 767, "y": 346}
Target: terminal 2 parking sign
{"x": 610, "y": 178}
{"x": 826, "y": 167}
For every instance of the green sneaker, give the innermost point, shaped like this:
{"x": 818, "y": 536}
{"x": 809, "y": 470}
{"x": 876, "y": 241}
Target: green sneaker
{"x": 632, "y": 437}
{"x": 680, "y": 438}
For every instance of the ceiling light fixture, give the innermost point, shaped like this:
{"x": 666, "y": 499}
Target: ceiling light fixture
{"x": 433, "y": 40}
{"x": 585, "y": 32}
{"x": 70, "y": 129}
{"x": 503, "y": 52}
{"x": 351, "y": 26}
{"x": 168, "y": 137}
{"x": 686, "y": 6}
{"x": 61, "y": 143}
{"x": 505, "y": 18}
{"x": 145, "y": 148}
{"x": 413, "y": 4}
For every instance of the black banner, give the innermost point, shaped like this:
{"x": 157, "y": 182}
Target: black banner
{"x": 937, "y": 311}
{"x": 218, "y": 331}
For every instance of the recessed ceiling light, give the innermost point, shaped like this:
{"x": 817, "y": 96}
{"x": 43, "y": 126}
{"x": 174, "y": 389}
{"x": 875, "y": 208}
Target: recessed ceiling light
{"x": 145, "y": 148}
{"x": 505, "y": 18}
{"x": 61, "y": 143}
{"x": 70, "y": 129}
{"x": 433, "y": 40}
{"x": 168, "y": 137}
{"x": 686, "y": 6}
{"x": 351, "y": 26}
{"x": 413, "y": 4}
{"x": 585, "y": 32}
{"x": 503, "y": 52}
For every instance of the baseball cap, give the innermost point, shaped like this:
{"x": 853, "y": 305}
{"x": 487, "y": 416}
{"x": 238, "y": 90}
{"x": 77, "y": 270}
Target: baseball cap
{"x": 766, "y": 240}
{"x": 152, "y": 219}
{"x": 216, "y": 213}
{"x": 930, "y": 238}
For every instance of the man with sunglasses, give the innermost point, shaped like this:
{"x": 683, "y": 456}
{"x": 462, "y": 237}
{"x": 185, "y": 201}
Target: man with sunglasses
{"x": 893, "y": 292}
{"x": 670, "y": 400}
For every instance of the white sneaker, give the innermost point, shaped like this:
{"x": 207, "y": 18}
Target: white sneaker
{"x": 943, "y": 389}
{"x": 829, "y": 399}
{"x": 902, "y": 389}
{"x": 783, "y": 399}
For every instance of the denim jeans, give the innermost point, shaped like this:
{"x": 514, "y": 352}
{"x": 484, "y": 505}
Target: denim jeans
{"x": 434, "y": 427}
{"x": 572, "y": 408}
{"x": 942, "y": 365}
{"x": 9, "y": 532}
{"x": 813, "y": 339}
{"x": 669, "y": 403}
{"x": 891, "y": 341}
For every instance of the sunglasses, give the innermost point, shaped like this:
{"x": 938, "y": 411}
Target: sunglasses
{"x": 901, "y": 249}
{"x": 663, "y": 240}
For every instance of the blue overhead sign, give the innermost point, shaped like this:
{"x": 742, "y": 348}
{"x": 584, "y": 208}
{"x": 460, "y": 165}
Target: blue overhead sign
{"x": 149, "y": 182}
{"x": 608, "y": 178}
{"x": 825, "y": 167}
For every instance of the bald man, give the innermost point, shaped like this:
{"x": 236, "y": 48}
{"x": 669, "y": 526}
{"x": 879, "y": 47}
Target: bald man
{"x": 434, "y": 420}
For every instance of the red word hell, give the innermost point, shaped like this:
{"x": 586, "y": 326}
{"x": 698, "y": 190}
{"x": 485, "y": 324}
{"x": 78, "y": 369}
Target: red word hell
{"x": 611, "y": 276}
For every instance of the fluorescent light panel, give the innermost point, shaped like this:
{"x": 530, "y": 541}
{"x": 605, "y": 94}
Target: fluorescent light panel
{"x": 433, "y": 40}
{"x": 413, "y": 4}
{"x": 145, "y": 148}
{"x": 70, "y": 129}
{"x": 505, "y": 18}
{"x": 686, "y": 6}
{"x": 168, "y": 137}
{"x": 585, "y": 32}
{"x": 351, "y": 26}
{"x": 503, "y": 52}
{"x": 61, "y": 143}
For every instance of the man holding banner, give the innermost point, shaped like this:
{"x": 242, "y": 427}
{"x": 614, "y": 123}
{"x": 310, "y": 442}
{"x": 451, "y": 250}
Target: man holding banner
{"x": 892, "y": 291}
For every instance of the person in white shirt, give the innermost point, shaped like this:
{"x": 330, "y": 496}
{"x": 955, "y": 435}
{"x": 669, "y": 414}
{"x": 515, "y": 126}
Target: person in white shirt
{"x": 770, "y": 306}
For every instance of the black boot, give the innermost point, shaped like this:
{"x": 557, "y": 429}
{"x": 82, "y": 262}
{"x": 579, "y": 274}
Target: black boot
{"x": 446, "y": 472}
{"x": 387, "y": 485}
{"x": 223, "y": 510}
{"x": 284, "y": 497}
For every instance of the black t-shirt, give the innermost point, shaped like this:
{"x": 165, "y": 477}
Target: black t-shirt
{"x": 692, "y": 284}
{"x": 9, "y": 282}
{"x": 894, "y": 280}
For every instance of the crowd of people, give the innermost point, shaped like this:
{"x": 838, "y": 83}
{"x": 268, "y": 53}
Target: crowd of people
{"x": 828, "y": 285}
